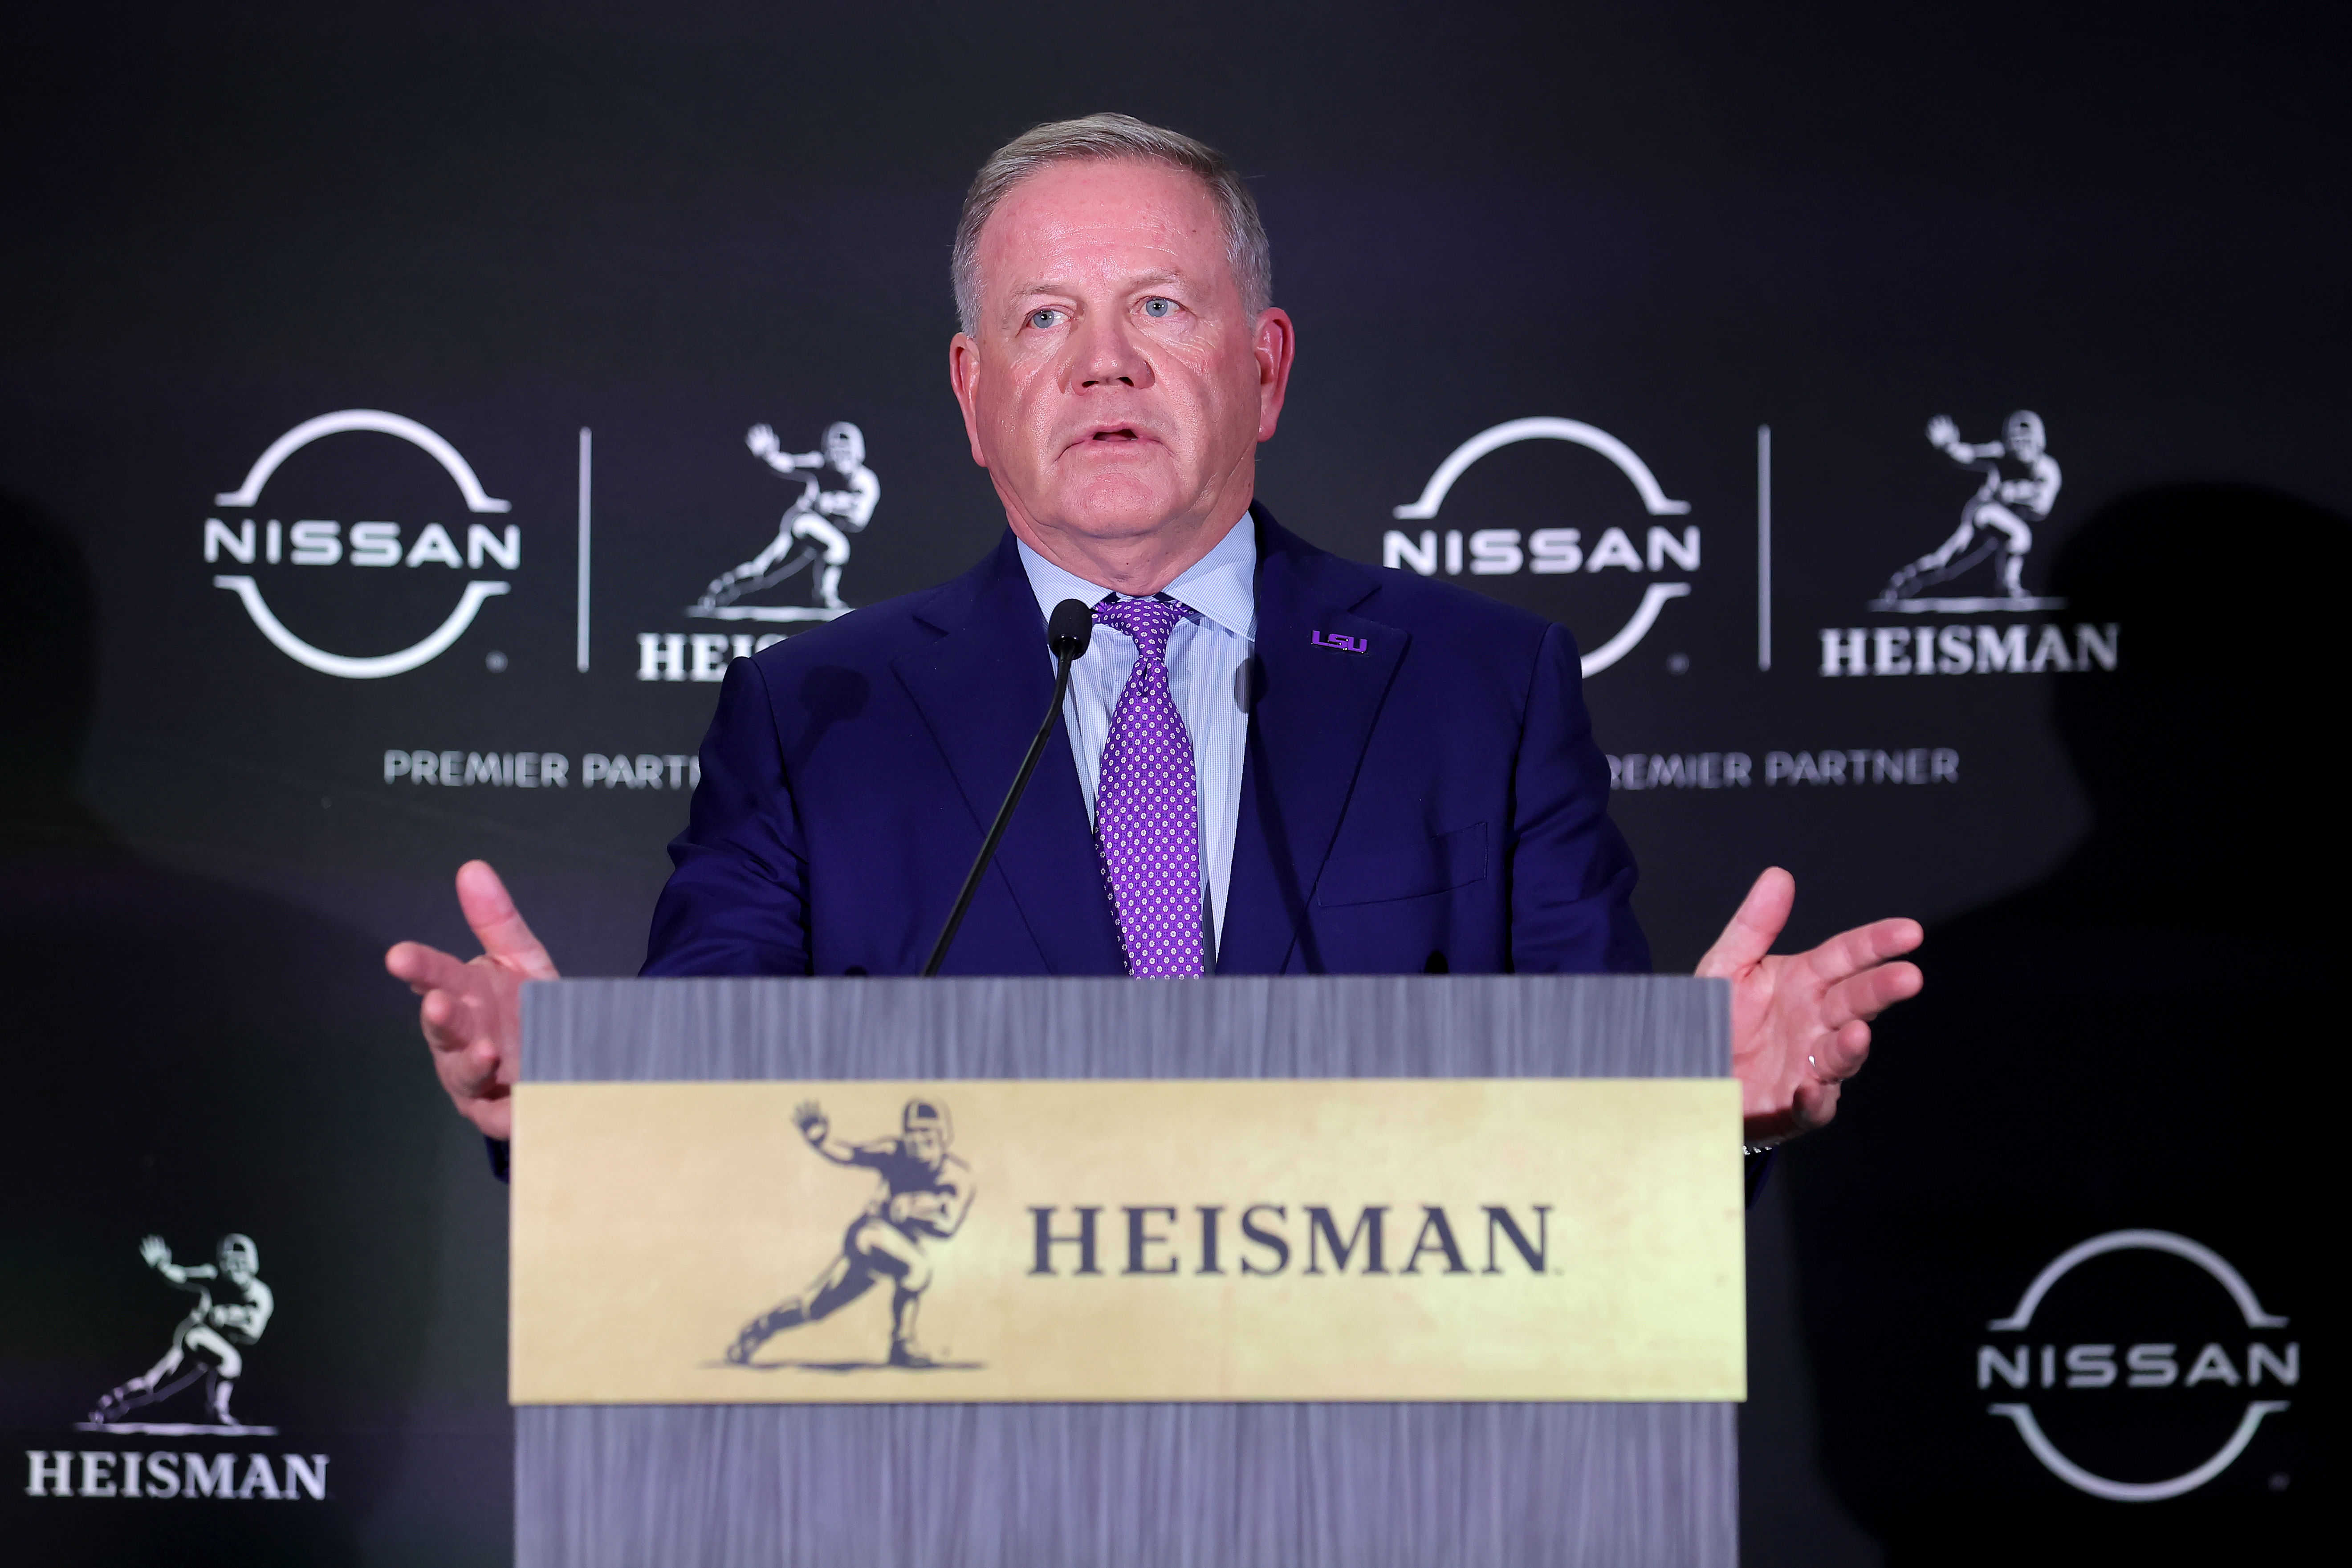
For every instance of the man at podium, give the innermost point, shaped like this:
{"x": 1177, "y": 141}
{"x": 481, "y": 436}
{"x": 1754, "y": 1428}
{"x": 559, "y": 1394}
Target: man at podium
{"x": 1271, "y": 760}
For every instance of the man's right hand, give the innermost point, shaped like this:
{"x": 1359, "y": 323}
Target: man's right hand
{"x": 472, "y": 1012}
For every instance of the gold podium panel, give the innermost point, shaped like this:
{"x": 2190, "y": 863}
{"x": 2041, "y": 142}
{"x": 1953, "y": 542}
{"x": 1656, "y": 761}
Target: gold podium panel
{"x": 1202, "y": 1239}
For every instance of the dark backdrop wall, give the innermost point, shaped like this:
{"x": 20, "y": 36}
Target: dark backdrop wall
{"x": 1732, "y": 261}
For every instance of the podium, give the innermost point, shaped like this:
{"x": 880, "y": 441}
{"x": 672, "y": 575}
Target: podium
{"x": 854, "y": 1476}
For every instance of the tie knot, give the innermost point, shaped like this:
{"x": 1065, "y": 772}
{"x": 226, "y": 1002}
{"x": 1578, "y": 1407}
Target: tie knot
{"x": 1151, "y": 622}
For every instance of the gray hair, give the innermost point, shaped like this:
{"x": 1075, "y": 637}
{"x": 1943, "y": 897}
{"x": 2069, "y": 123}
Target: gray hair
{"x": 1099, "y": 136}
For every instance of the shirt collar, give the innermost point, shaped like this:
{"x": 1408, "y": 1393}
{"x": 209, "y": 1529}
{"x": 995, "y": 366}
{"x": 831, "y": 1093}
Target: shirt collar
{"x": 1222, "y": 585}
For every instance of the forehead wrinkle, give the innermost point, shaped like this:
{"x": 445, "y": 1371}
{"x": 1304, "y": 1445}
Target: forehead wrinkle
{"x": 1054, "y": 228}
{"x": 1156, "y": 277}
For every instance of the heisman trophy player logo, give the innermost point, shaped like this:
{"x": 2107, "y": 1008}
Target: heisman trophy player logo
{"x": 814, "y": 529}
{"x": 233, "y": 1307}
{"x": 1996, "y": 522}
{"x": 920, "y": 1201}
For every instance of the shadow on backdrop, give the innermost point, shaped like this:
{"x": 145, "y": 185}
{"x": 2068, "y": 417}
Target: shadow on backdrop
{"x": 189, "y": 1060}
{"x": 2146, "y": 1039}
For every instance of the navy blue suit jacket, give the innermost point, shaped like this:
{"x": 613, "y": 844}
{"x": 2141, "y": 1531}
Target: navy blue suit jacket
{"x": 1437, "y": 794}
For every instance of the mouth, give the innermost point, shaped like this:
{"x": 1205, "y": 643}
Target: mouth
{"x": 1111, "y": 437}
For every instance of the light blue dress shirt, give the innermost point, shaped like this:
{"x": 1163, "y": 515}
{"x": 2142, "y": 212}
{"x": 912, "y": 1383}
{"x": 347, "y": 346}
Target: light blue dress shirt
{"x": 1208, "y": 654}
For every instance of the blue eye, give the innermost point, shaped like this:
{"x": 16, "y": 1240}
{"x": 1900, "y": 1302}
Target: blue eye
{"x": 1043, "y": 319}
{"x": 1158, "y": 308}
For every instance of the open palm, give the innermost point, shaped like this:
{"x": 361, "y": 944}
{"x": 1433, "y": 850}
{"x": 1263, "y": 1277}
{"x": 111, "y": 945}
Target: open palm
{"x": 1801, "y": 1022}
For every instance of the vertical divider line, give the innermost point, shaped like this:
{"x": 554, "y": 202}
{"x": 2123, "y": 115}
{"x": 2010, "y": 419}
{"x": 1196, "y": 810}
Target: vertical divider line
{"x": 1763, "y": 548}
{"x": 586, "y": 452}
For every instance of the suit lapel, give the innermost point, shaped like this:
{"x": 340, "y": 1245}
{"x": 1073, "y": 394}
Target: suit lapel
{"x": 1312, "y": 717}
{"x": 982, "y": 689}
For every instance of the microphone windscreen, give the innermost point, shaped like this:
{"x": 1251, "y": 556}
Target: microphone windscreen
{"x": 1070, "y": 629}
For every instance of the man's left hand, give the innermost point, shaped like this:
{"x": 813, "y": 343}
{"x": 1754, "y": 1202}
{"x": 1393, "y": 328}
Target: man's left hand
{"x": 1801, "y": 1022}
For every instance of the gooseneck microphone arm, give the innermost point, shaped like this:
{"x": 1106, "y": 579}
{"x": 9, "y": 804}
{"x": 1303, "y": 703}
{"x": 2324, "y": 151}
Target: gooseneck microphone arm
{"x": 1068, "y": 634}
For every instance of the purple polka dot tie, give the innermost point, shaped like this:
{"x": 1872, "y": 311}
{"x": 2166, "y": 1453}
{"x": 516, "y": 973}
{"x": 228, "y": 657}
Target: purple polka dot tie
{"x": 1146, "y": 807}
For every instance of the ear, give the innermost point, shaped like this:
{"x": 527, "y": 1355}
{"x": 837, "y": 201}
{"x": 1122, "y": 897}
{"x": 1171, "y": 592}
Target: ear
{"x": 1271, "y": 341}
{"x": 963, "y": 379}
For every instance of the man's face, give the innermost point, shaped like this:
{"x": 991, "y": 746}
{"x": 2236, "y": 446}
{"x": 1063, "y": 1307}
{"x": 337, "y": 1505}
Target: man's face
{"x": 1115, "y": 386}
{"x": 924, "y": 1143}
{"x": 838, "y": 451}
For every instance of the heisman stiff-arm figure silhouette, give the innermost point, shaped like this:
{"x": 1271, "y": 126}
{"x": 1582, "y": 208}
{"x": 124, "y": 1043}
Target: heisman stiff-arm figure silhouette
{"x": 825, "y": 518}
{"x": 921, "y": 1198}
{"x": 1999, "y": 516}
{"x": 205, "y": 1343}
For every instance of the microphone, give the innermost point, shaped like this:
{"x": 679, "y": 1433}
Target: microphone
{"x": 1067, "y": 636}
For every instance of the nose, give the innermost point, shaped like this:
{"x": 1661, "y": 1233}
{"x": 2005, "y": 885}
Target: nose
{"x": 1105, "y": 353}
